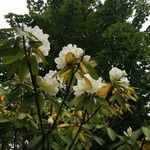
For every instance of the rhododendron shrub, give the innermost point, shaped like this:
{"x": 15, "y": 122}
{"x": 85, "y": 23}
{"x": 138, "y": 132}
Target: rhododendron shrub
{"x": 63, "y": 108}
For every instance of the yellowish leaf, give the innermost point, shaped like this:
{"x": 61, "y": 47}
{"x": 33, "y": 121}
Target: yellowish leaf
{"x": 89, "y": 84}
{"x": 63, "y": 125}
{"x": 74, "y": 131}
{"x": 82, "y": 136}
{"x": 93, "y": 63}
{"x": 104, "y": 90}
{"x": 83, "y": 68}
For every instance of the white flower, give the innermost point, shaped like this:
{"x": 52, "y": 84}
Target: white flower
{"x": 87, "y": 85}
{"x": 118, "y": 77}
{"x": 116, "y": 74}
{"x": 38, "y": 33}
{"x": 70, "y": 52}
{"x": 86, "y": 58}
{"x": 49, "y": 83}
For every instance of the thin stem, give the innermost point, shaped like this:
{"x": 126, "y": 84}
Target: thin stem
{"x": 4, "y": 143}
{"x": 63, "y": 102}
{"x": 142, "y": 145}
{"x": 79, "y": 129}
{"x": 33, "y": 79}
{"x": 93, "y": 114}
{"x": 15, "y": 140}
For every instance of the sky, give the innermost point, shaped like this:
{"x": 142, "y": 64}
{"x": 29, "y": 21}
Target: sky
{"x": 19, "y": 7}
{"x": 15, "y": 6}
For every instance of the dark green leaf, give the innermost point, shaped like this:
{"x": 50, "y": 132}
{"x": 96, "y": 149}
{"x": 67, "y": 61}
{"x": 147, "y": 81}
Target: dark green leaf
{"x": 92, "y": 71}
{"x": 65, "y": 139}
{"x": 9, "y": 52}
{"x": 54, "y": 102}
{"x": 10, "y": 59}
{"x": 135, "y": 135}
{"x": 89, "y": 104}
{"x": 34, "y": 65}
{"x": 12, "y": 68}
{"x": 35, "y": 44}
{"x": 122, "y": 147}
{"x": 99, "y": 140}
{"x": 23, "y": 69}
{"x": 35, "y": 143}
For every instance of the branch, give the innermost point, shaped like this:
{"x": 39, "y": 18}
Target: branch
{"x": 142, "y": 145}
{"x": 15, "y": 139}
{"x": 63, "y": 102}
{"x": 79, "y": 129}
{"x": 33, "y": 79}
{"x": 93, "y": 114}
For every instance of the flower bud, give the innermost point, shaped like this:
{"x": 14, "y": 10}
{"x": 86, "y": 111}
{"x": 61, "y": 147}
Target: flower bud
{"x": 69, "y": 58}
{"x": 50, "y": 120}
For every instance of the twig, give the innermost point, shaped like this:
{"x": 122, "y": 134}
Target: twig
{"x": 63, "y": 102}
{"x": 4, "y": 142}
{"x": 142, "y": 145}
{"x": 33, "y": 79}
{"x": 93, "y": 114}
{"x": 79, "y": 129}
{"x": 15, "y": 139}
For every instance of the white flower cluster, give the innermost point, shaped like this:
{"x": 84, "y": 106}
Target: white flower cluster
{"x": 49, "y": 83}
{"x": 38, "y": 33}
{"x": 69, "y": 54}
{"x": 87, "y": 85}
{"x": 119, "y": 77}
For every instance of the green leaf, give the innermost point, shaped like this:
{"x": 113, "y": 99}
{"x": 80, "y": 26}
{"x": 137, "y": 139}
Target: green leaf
{"x": 9, "y": 51}
{"x": 4, "y": 120}
{"x": 89, "y": 104}
{"x": 112, "y": 134}
{"x": 92, "y": 71}
{"x": 40, "y": 55}
{"x": 101, "y": 101}
{"x": 21, "y": 116}
{"x": 35, "y": 143}
{"x": 122, "y": 147}
{"x": 77, "y": 102}
{"x": 54, "y": 102}
{"x": 15, "y": 93}
{"x": 146, "y": 131}
{"x": 34, "y": 65}
{"x": 12, "y": 68}
{"x": 65, "y": 139}
{"x": 7, "y": 44}
{"x": 10, "y": 59}
{"x": 135, "y": 135}
{"x": 28, "y": 99}
{"x": 99, "y": 140}
{"x": 87, "y": 126}
{"x": 115, "y": 145}
{"x": 23, "y": 69}
{"x": 41, "y": 100}
{"x": 35, "y": 44}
